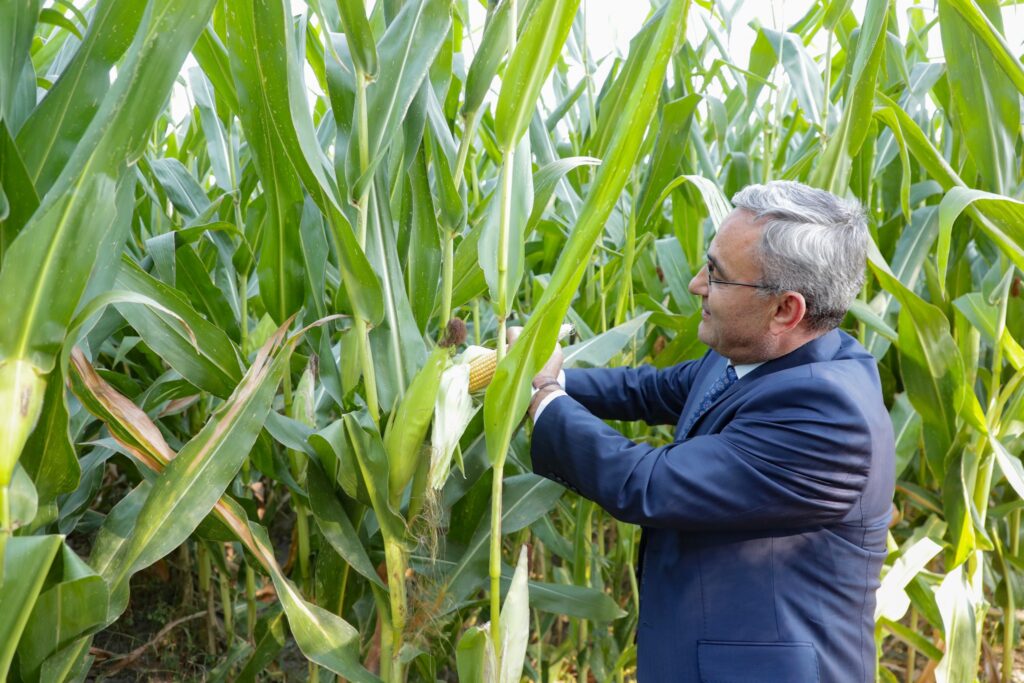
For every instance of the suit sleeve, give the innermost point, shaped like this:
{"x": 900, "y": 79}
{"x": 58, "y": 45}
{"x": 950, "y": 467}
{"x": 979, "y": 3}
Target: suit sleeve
{"x": 642, "y": 393}
{"x": 795, "y": 455}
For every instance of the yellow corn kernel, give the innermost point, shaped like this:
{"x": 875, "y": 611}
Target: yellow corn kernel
{"x": 481, "y": 370}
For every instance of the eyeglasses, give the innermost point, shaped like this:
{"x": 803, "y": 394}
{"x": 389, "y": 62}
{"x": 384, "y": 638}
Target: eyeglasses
{"x": 711, "y": 269}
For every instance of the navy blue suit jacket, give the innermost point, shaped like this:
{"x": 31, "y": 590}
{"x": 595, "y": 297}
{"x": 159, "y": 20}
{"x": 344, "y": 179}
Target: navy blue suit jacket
{"x": 764, "y": 524}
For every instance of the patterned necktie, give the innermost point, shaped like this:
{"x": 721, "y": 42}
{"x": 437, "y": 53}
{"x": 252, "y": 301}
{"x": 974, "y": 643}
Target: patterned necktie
{"x": 727, "y": 379}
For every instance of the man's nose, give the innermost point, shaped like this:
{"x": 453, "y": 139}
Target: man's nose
{"x": 699, "y": 283}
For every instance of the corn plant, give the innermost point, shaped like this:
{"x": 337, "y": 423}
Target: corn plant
{"x": 272, "y": 311}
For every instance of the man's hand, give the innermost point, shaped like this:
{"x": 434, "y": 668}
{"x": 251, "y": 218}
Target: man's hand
{"x": 545, "y": 381}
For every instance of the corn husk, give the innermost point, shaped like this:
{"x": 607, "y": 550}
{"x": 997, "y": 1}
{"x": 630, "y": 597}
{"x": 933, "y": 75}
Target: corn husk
{"x": 453, "y": 410}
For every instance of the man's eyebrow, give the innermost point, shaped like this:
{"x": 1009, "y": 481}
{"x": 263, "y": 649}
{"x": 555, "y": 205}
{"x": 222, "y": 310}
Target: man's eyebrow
{"x": 716, "y": 264}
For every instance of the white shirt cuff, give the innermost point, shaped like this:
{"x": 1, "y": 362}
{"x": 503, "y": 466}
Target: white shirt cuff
{"x": 545, "y": 401}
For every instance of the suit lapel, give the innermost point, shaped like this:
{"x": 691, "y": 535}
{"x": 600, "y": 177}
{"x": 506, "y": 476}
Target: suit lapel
{"x": 714, "y": 366}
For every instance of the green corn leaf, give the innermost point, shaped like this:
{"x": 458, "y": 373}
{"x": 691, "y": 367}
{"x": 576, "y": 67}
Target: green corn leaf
{"x": 861, "y": 87}
{"x": 67, "y": 608}
{"x": 957, "y": 604}
{"x": 580, "y": 602}
{"x": 524, "y": 499}
{"x": 181, "y": 188}
{"x": 279, "y": 129}
{"x": 313, "y": 240}
{"x": 599, "y": 350}
{"x": 360, "y": 37}
{"x": 834, "y": 11}
{"x": 677, "y": 274}
{"x": 892, "y": 600}
{"x": 221, "y": 156}
{"x": 423, "y": 262}
{"x": 27, "y": 560}
{"x": 520, "y": 202}
{"x": 56, "y": 251}
{"x": 1003, "y": 223}
{"x": 1009, "y": 464}
{"x": 362, "y": 286}
{"x": 985, "y": 31}
{"x": 616, "y": 91}
{"x": 931, "y": 365}
{"x": 22, "y": 388}
{"x": 192, "y": 482}
{"x": 22, "y": 499}
{"x": 913, "y": 638}
{"x": 983, "y": 316}
{"x": 55, "y": 241}
{"x": 269, "y": 640}
{"x": 397, "y": 353}
{"x": 373, "y": 464}
{"x": 17, "y": 189}
{"x": 339, "y": 460}
{"x": 921, "y": 148}
{"x": 199, "y": 350}
{"x": 17, "y": 23}
{"x": 213, "y": 59}
{"x": 195, "y": 281}
{"x": 324, "y": 638}
{"x": 261, "y": 55}
{"x": 336, "y": 526}
{"x": 906, "y": 426}
{"x": 532, "y": 59}
{"x": 801, "y": 70}
{"x": 49, "y": 456}
{"x": 57, "y": 127}
{"x": 957, "y": 504}
{"x": 493, "y": 47}
{"x": 405, "y": 52}
{"x": 508, "y": 394}
{"x": 451, "y": 202}
{"x": 912, "y": 249}
{"x": 468, "y": 280}
{"x": 546, "y": 181}
{"x": 55, "y": 18}
{"x": 833, "y": 169}
{"x": 673, "y": 132}
{"x": 985, "y": 102}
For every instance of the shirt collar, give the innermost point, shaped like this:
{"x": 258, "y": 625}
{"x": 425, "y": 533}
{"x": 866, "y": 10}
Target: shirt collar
{"x": 745, "y": 368}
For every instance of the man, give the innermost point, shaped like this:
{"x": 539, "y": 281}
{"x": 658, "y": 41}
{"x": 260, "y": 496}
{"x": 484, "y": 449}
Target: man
{"x": 764, "y": 522}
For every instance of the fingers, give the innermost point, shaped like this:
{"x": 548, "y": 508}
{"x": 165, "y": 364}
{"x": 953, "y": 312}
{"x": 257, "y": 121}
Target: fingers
{"x": 554, "y": 364}
{"x": 512, "y": 333}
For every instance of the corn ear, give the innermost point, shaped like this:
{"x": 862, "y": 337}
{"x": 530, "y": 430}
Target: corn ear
{"x": 408, "y": 427}
{"x": 481, "y": 370}
{"x": 483, "y": 362}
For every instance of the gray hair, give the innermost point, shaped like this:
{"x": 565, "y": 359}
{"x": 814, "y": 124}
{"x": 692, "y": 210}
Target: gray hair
{"x": 813, "y": 243}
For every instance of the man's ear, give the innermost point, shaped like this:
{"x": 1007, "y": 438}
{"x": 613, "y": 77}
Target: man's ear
{"x": 789, "y": 312}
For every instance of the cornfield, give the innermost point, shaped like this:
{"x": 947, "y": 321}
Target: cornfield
{"x": 235, "y": 345}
